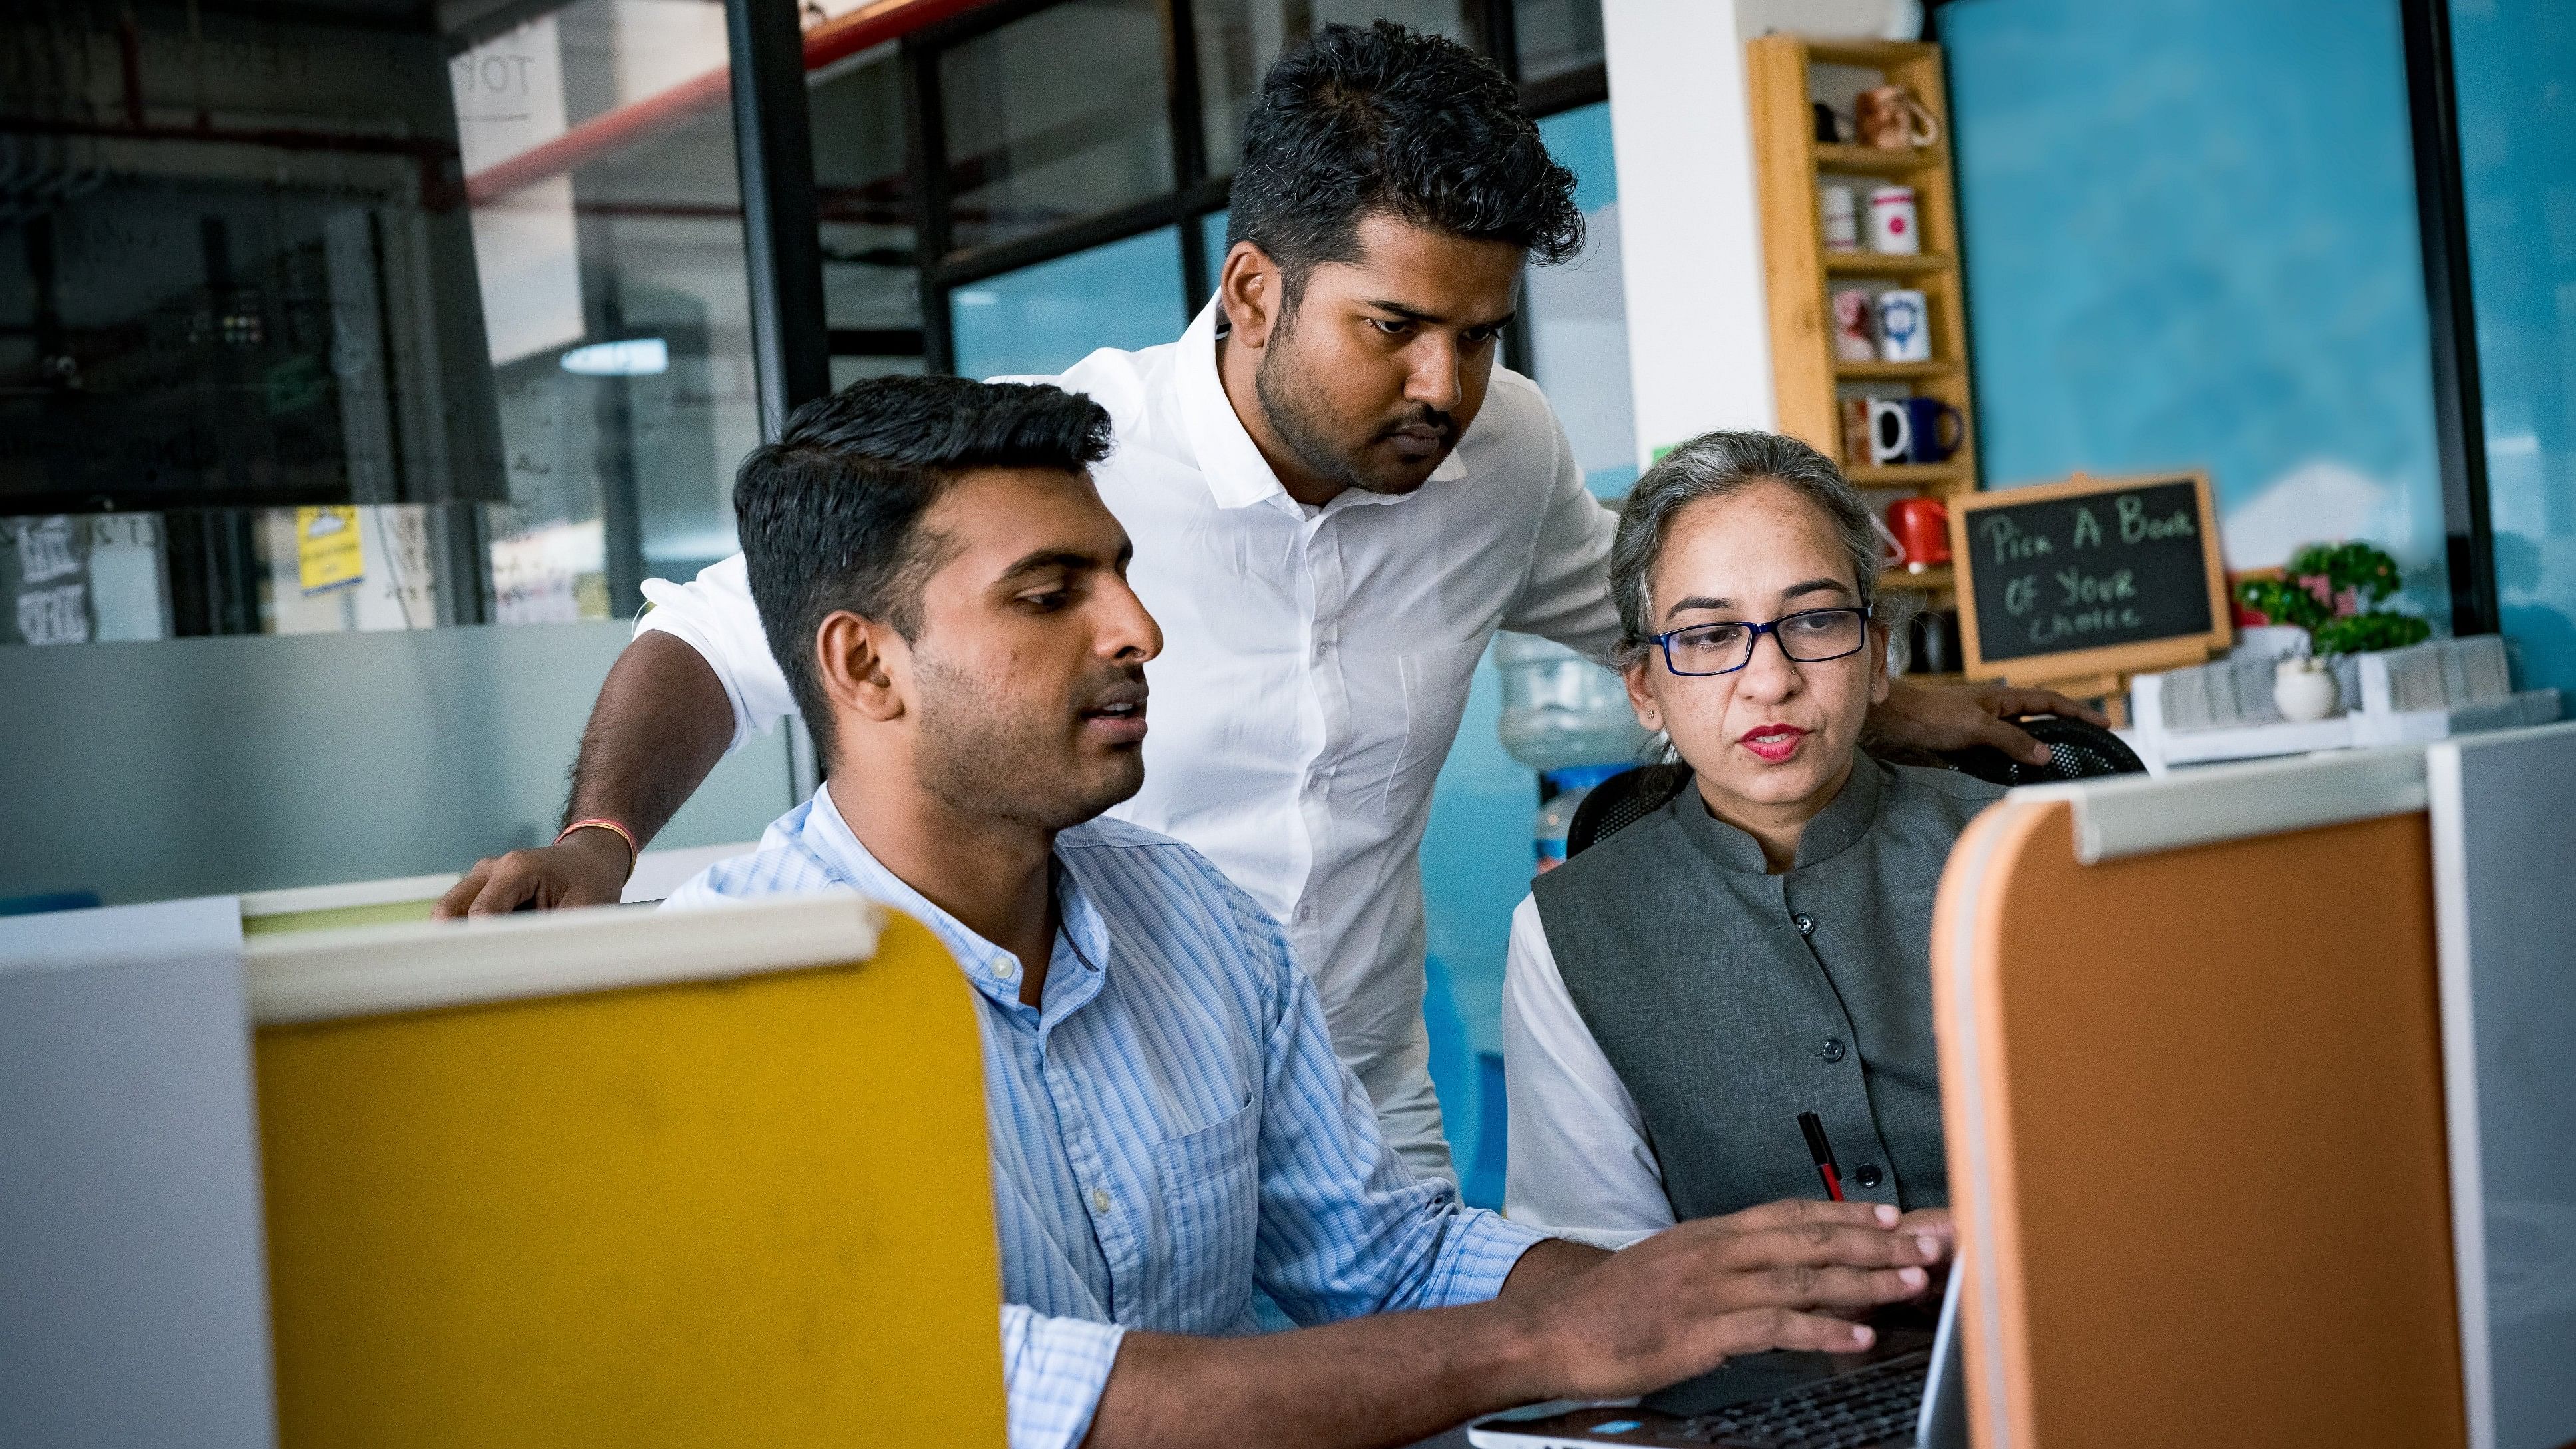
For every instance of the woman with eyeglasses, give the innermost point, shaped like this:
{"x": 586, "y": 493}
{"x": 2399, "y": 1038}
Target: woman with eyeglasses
{"x": 1759, "y": 947}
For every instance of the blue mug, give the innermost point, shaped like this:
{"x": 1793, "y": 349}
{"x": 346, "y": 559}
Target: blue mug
{"x": 1927, "y": 443}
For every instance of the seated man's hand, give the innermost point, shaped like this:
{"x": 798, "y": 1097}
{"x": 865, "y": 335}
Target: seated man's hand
{"x": 588, "y": 869}
{"x": 1682, "y": 1302}
{"x": 1962, "y": 716}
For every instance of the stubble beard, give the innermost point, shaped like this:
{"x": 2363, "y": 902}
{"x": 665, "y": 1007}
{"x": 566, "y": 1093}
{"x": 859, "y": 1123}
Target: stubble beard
{"x": 1300, "y": 416}
{"x": 986, "y": 765}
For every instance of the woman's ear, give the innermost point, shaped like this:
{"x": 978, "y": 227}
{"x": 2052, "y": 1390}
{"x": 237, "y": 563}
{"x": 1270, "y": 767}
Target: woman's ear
{"x": 1249, "y": 288}
{"x": 1641, "y": 694}
{"x": 863, "y": 667}
{"x": 1877, "y": 661}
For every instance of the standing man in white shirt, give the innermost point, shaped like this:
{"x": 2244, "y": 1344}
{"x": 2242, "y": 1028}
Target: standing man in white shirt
{"x": 1336, "y": 498}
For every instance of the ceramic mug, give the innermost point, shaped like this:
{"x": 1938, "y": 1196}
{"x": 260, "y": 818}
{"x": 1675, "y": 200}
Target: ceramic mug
{"x": 1894, "y": 229}
{"x": 1891, "y": 430}
{"x": 1853, "y": 310}
{"x": 1928, "y": 416}
{"x": 1889, "y": 118}
{"x": 1922, "y": 529}
{"x": 1857, "y": 447}
{"x": 1902, "y": 333}
{"x": 1842, "y": 219}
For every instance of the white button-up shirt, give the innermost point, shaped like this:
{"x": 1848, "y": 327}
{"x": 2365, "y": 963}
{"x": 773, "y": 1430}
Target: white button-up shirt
{"x": 1315, "y": 664}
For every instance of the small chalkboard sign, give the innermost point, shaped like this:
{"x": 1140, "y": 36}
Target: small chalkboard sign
{"x": 2090, "y": 576}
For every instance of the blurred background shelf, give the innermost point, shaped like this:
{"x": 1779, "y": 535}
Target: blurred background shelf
{"x": 1884, "y": 264}
{"x": 1888, "y": 370}
{"x": 1932, "y": 580}
{"x": 1939, "y": 477}
{"x": 1877, "y": 161}
{"x": 1808, "y": 380}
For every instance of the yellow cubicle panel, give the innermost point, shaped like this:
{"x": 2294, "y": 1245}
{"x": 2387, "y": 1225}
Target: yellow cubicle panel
{"x": 748, "y": 1211}
{"x": 2194, "y": 1111}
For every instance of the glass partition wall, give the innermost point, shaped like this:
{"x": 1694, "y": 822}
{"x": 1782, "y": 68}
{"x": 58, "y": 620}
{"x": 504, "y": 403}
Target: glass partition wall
{"x": 326, "y": 318}
{"x": 316, "y": 319}
{"x": 328, "y": 325}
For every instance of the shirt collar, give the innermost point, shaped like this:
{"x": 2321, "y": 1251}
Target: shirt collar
{"x": 987, "y": 967}
{"x": 1237, "y": 475}
{"x": 1836, "y": 828}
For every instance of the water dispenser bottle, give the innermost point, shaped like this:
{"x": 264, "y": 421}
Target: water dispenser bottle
{"x": 1562, "y": 709}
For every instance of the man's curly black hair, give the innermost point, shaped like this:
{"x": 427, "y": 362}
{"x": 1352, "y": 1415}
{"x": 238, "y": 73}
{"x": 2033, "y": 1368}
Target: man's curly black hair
{"x": 1383, "y": 119}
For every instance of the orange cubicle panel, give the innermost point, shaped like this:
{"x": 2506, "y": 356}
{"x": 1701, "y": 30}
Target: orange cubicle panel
{"x": 2194, "y": 1106}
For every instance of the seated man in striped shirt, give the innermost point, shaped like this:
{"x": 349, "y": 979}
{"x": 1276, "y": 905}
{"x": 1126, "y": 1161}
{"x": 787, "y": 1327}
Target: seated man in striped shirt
{"x": 1169, "y": 1127}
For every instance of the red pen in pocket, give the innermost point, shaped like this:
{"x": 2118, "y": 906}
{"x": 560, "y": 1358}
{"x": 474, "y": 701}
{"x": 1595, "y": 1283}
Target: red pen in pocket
{"x": 1823, "y": 1151}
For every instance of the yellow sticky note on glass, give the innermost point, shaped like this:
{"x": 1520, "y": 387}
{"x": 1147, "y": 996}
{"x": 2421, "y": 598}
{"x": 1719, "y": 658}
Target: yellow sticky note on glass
{"x": 327, "y": 554}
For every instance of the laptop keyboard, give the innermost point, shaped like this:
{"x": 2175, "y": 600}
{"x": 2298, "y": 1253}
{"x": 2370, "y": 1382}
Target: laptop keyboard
{"x": 1877, "y": 1405}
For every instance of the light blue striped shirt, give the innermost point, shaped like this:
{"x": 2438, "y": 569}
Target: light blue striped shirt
{"x": 1170, "y": 1129}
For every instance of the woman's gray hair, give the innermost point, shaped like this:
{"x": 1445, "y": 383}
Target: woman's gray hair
{"x": 1714, "y": 465}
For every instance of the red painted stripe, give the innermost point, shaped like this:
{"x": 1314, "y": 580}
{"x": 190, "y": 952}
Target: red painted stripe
{"x": 835, "y": 39}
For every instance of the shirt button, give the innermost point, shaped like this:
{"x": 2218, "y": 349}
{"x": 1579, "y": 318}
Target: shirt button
{"x": 1100, "y": 1199}
{"x": 1000, "y": 968}
{"x": 1832, "y": 1050}
{"x": 1869, "y": 1176}
{"x": 1805, "y": 923}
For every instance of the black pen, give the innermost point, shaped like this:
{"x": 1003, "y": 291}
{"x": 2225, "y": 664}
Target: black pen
{"x": 1823, "y": 1151}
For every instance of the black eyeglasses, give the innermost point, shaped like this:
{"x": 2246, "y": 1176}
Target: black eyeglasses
{"x": 1810, "y": 636}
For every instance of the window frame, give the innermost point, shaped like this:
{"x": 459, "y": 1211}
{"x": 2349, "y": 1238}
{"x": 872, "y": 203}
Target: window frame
{"x": 1195, "y": 194}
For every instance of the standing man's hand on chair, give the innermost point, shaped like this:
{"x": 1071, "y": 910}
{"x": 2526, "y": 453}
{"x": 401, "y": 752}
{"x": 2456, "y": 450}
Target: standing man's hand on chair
{"x": 1952, "y": 717}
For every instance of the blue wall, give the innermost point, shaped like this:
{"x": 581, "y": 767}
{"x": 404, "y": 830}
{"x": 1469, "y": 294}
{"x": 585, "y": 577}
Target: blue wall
{"x": 2191, "y": 241}
{"x": 2516, "y": 66}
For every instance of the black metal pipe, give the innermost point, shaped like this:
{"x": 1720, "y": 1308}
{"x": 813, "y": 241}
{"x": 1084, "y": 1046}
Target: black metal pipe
{"x": 2450, "y": 305}
{"x": 774, "y": 149}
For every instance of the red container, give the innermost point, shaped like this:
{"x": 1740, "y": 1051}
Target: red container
{"x": 1922, "y": 529}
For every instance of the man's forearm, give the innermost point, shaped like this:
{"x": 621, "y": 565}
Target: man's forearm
{"x": 1393, "y": 1378}
{"x": 661, "y": 724}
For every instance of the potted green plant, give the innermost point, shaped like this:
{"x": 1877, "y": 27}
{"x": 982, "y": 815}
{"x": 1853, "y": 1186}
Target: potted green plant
{"x": 2330, "y": 592}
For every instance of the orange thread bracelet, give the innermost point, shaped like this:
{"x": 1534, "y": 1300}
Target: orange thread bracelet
{"x": 632, "y": 849}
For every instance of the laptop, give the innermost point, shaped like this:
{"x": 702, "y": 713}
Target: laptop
{"x": 1903, "y": 1393}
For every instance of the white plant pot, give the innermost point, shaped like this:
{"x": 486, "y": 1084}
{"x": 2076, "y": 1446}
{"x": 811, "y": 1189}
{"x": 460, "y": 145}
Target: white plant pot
{"x": 2305, "y": 689}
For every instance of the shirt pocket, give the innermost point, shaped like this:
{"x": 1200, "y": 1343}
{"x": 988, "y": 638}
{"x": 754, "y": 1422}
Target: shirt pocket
{"x": 1435, "y": 696}
{"x": 1211, "y": 1180}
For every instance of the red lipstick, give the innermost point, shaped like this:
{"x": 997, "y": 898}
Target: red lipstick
{"x": 1772, "y": 743}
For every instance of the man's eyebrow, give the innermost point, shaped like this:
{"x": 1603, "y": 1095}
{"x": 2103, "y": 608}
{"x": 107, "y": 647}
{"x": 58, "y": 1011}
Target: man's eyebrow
{"x": 1698, "y": 601}
{"x": 1049, "y": 558}
{"x": 1433, "y": 319}
{"x": 1816, "y": 586}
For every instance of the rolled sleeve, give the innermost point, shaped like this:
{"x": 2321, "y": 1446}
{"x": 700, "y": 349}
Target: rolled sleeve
{"x": 714, "y": 615}
{"x": 1477, "y": 1253}
{"x": 1053, "y": 1370}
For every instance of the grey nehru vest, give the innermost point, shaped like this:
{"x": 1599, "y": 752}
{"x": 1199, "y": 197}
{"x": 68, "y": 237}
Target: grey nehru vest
{"x": 1730, "y": 1000}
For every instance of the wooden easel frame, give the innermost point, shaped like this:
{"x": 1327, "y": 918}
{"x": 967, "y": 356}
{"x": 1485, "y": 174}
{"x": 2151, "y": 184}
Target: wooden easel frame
{"x": 2168, "y": 653}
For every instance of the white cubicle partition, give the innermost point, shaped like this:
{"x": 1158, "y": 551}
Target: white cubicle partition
{"x": 133, "y": 1293}
{"x": 2504, "y": 875}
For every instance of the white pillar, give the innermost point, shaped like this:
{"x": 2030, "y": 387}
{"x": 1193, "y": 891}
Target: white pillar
{"x": 1699, "y": 325}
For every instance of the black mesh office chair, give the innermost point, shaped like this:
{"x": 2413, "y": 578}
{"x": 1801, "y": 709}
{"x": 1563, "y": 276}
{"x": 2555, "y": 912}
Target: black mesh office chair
{"x": 2077, "y": 751}
{"x": 1622, "y": 801}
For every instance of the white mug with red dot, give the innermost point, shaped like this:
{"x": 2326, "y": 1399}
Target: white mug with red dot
{"x": 1893, "y": 228}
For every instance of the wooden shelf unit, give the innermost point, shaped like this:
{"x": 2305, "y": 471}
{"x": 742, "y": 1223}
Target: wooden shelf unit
{"x": 1807, "y": 377}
